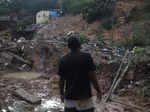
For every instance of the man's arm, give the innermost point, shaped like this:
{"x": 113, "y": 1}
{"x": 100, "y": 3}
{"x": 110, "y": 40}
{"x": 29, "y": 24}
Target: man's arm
{"x": 94, "y": 81}
{"x": 61, "y": 88}
{"x": 61, "y": 80}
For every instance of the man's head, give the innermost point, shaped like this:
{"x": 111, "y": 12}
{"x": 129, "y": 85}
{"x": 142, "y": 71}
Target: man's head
{"x": 74, "y": 43}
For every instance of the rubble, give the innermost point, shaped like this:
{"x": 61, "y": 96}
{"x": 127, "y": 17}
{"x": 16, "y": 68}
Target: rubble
{"x": 27, "y": 97}
{"x": 44, "y": 51}
{"x": 21, "y": 106}
{"x": 50, "y": 105}
{"x": 42, "y": 55}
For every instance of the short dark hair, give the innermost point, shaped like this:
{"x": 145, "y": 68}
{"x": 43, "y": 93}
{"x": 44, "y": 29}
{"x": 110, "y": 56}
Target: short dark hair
{"x": 74, "y": 43}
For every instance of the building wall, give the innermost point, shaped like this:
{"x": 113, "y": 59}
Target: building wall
{"x": 42, "y": 17}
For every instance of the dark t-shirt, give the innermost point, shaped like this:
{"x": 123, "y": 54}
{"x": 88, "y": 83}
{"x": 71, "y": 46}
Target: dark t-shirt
{"x": 74, "y": 68}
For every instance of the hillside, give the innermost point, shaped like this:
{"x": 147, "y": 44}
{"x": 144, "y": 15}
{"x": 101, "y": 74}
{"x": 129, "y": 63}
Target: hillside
{"x": 28, "y": 68}
{"x": 62, "y": 25}
{"x": 125, "y": 15}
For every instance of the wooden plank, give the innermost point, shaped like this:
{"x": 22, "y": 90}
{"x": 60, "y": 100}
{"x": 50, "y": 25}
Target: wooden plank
{"x": 121, "y": 77}
{"x": 116, "y": 78}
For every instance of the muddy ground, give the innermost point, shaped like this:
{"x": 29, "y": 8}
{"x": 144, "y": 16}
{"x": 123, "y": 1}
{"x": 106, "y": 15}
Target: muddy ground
{"x": 41, "y": 80}
{"x": 46, "y": 88}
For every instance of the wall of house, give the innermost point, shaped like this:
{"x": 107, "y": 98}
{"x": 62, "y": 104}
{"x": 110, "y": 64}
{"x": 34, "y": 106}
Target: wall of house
{"x": 42, "y": 17}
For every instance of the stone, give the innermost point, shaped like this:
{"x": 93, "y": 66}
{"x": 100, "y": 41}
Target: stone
{"x": 21, "y": 106}
{"x": 21, "y": 93}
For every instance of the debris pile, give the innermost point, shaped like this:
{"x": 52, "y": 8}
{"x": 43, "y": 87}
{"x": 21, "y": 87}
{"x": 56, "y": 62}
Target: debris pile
{"x": 42, "y": 55}
{"x": 14, "y": 53}
{"x": 39, "y": 53}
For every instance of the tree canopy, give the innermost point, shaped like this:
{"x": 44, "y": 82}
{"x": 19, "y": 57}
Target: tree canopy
{"x": 91, "y": 9}
{"x": 31, "y": 6}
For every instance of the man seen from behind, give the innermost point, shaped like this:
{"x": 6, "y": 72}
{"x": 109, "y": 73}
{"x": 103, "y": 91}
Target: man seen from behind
{"x": 77, "y": 74}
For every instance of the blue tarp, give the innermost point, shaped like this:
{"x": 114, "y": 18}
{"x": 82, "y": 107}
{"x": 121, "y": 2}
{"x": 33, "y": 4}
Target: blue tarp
{"x": 53, "y": 14}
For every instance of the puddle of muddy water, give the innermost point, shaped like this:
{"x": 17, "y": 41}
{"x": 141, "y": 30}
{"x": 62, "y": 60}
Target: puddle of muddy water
{"x": 47, "y": 105}
{"x": 23, "y": 75}
{"x": 50, "y": 105}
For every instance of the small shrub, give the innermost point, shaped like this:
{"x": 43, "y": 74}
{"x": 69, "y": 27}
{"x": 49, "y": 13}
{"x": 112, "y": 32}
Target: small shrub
{"x": 99, "y": 37}
{"x": 74, "y": 6}
{"x": 131, "y": 15}
{"x": 97, "y": 10}
{"x": 139, "y": 36}
{"x": 107, "y": 24}
{"x": 116, "y": 44}
{"x": 147, "y": 8}
{"x": 139, "y": 50}
{"x": 131, "y": 42}
{"x": 139, "y": 14}
{"x": 83, "y": 39}
{"x": 90, "y": 13}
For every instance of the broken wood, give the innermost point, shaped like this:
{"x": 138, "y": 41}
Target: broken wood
{"x": 117, "y": 82}
{"x": 116, "y": 78}
{"x": 20, "y": 58}
{"x": 121, "y": 77}
{"x": 6, "y": 49}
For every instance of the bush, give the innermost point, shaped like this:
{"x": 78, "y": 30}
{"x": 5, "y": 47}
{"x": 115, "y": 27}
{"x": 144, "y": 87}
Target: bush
{"x": 99, "y": 37}
{"x": 91, "y": 9}
{"x": 139, "y": 13}
{"x": 83, "y": 39}
{"x": 131, "y": 42}
{"x": 131, "y": 15}
{"x": 90, "y": 13}
{"x": 74, "y": 6}
{"x": 97, "y": 10}
{"x": 140, "y": 37}
{"x": 107, "y": 24}
{"x": 147, "y": 6}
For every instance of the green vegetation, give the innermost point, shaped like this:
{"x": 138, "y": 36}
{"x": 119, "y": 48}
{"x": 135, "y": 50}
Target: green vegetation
{"x": 83, "y": 39}
{"x": 4, "y": 7}
{"x": 140, "y": 37}
{"x": 98, "y": 10}
{"x": 90, "y": 13}
{"x": 139, "y": 13}
{"x": 91, "y": 9}
{"x": 30, "y": 6}
{"x": 131, "y": 15}
{"x": 107, "y": 24}
{"x": 74, "y": 6}
{"x": 99, "y": 37}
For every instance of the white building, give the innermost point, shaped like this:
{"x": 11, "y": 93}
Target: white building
{"x": 42, "y": 17}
